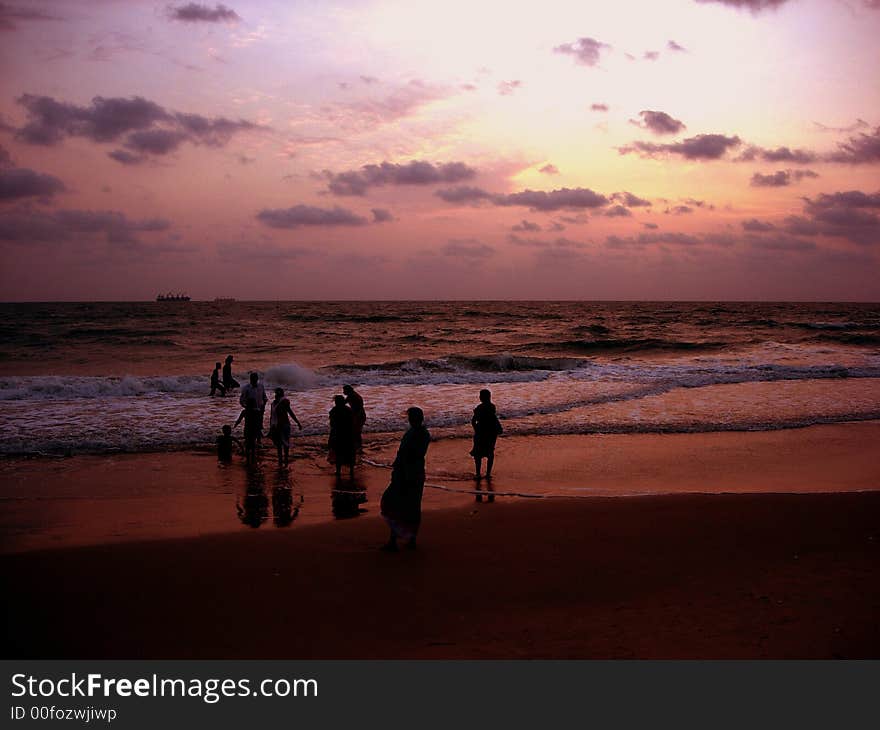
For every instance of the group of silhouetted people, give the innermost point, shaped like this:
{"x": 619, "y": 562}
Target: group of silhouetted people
{"x": 401, "y": 502}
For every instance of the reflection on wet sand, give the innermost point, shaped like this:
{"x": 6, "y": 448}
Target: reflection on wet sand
{"x": 253, "y": 507}
{"x": 346, "y": 498}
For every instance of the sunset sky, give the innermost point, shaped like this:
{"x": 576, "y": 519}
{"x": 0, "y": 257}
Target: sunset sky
{"x": 412, "y": 149}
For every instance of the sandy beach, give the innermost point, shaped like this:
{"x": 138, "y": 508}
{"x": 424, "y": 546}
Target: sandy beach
{"x": 742, "y": 545}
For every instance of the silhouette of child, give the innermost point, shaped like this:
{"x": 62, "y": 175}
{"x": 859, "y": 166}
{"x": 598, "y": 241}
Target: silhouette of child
{"x": 215, "y": 381}
{"x": 225, "y": 443}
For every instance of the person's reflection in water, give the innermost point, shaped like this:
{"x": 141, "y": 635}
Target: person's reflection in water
{"x": 283, "y": 510}
{"x": 346, "y": 499}
{"x": 253, "y": 508}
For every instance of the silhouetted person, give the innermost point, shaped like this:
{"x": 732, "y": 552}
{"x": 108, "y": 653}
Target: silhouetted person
{"x": 228, "y": 381}
{"x": 359, "y": 415}
{"x": 215, "y": 381}
{"x": 225, "y": 444}
{"x": 341, "y": 441}
{"x": 401, "y": 504}
{"x": 253, "y": 425}
{"x": 255, "y": 391}
{"x": 279, "y": 425}
{"x": 487, "y": 427}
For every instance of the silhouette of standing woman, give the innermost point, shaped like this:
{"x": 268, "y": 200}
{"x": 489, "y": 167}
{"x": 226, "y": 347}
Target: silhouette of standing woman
{"x": 279, "y": 425}
{"x": 341, "y": 442}
{"x": 359, "y": 415}
{"x": 401, "y": 504}
{"x": 487, "y": 428}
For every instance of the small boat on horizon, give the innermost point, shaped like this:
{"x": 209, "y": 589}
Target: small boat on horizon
{"x": 172, "y": 297}
{"x": 223, "y": 300}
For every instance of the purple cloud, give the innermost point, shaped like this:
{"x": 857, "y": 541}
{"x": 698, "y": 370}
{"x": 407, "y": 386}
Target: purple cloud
{"x": 651, "y": 55}
{"x": 198, "y": 13}
{"x": 858, "y": 150}
{"x": 701, "y": 147}
{"x": 416, "y": 172}
{"x": 753, "y": 225}
{"x": 780, "y": 178}
{"x": 659, "y": 122}
{"x": 617, "y": 211}
{"x": 307, "y": 215}
{"x": 151, "y": 129}
{"x": 11, "y": 16}
{"x": 549, "y": 169}
{"x": 28, "y": 226}
{"x": 467, "y": 248}
{"x": 630, "y": 200}
{"x": 673, "y": 46}
{"x": 597, "y": 107}
{"x": 463, "y": 194}
{"x": 381, "y": 215}
{"x": 17, "y": 183}
{"x": 525, "y": 226}
{"x": 562, "y": 198}
{"x": 586, "y": 51}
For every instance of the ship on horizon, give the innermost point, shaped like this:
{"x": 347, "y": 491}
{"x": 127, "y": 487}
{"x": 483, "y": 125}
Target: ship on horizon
{"x": 173, "y": 297}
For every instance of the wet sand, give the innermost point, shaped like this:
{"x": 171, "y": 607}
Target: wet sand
{"x": 88, "y": 500}
{"x": 145, "y": 556}
{"x": 708, "y": 576}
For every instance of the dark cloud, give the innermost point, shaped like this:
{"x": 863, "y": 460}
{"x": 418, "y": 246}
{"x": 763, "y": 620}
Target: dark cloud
{"x": 855, "y": 126}
{"x": 852, "y": 215}
{"x": 549, "y": 169}
{"x": 780, "y": 178}
{"x": 17, "y": 183}
{"x": 381, "y": 215}
{"x": 651, "y": 55}
{"x": 467, "y": 248}
{"x": 658, "y": 122}
{"x": 555, "y": 243}
{"x": 49, "y": 121}
{"x": 198, "y": 13}
{"x": 212, "y": 132}
{"x": 701, "y": 147}
{"x": 780, "y": 242}
{"x": 506, "y": 88}
{"x": 155, "y": 141}
{"x": 464, "y": 194}
{"x": 699, "y": 203}
{"x": 151, "y": 129}
{"x": 780, "y": 154}
{"x": 630, "y": 200}
{"x": 368, "y": 79}
{"x": 679, "y": 210}
{"x": 540, "y": 200}
{"x": 125, "y": 158}
{"x": 5, "y": 157}
{"x": 29, "y": 226}
{"x": 417, "y": 172}
{"x": 858, "y": 150}
{"x": 755, "y": 6}
{"x": 562, "y": 198}
{"x": 307, "y": 215}
{"x": 599, "y": 107}
{"x": 617, "y": 211}
{"x": 586, "y": 51}
{"x": 651, "y": 226}
{"x": 673, "y": 46}
{"x": 11, "y": 16}
{"x": 525, "y": 226}
{"x": 755, "y": 226}
{"x": 648, "y": 239}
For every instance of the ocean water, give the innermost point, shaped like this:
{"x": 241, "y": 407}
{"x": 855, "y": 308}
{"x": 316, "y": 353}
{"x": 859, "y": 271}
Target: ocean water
{"x": 109, "y": 377}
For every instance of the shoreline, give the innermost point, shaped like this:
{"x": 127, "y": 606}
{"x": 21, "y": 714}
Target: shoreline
{"x": 112, "y": 499}
{"x": 675, "y": 576}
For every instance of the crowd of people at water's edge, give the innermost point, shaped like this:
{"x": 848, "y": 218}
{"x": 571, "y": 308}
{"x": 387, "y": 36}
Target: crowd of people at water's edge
{"x": 401, "y": 503}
